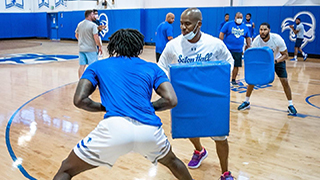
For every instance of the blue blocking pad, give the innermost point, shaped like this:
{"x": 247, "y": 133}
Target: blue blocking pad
{"x": 203, "y": 91}
{"x": 259, "y": 66}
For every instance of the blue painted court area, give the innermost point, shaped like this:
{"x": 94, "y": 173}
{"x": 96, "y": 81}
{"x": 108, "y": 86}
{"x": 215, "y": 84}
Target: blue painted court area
{"x": 35, "y": 58}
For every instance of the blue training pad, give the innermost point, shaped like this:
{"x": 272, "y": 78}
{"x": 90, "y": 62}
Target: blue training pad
{"x": 203, "y": 91}
{"x": 259, "y": 66}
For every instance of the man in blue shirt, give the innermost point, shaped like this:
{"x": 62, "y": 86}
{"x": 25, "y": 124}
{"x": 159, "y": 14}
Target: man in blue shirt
{"x": 250, "y": 25}
{"x": 233, "y": 34}
{"x": 164, "y": 34}
{"x": 226, "y": 19}
{"x": 126, "y": 83}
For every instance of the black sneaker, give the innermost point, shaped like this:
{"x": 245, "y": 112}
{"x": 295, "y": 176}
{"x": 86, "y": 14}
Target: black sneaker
{"x": 234, "y": 83}
{"x": 292, "y": 110}
{"x": 244, "y": 105}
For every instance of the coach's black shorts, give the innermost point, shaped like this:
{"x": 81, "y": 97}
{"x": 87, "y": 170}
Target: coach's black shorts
{"x": 280, "y": 69}
{"x": 298, "y": 42}
{"x": 237, "y": 56}
{"x": 157, "y": 57}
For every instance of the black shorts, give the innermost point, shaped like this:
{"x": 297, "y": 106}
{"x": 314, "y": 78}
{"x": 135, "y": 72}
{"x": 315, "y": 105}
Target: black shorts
{"x": 298, "y": 42}
{"x": 157, "y": 57}
{"x": 237, "y": 56}
{"x": 280, "y": 69}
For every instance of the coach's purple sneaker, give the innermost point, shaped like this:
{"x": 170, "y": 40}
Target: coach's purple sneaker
{"x": 226, "y": 176}
{"x": 197, "y": 158}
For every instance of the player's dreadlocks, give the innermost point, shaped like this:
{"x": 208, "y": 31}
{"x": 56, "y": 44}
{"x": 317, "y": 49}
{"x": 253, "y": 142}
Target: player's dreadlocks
{"x": 126, "y": 42}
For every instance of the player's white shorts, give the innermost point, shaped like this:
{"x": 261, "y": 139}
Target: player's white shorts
{"x": 116, "y": 136}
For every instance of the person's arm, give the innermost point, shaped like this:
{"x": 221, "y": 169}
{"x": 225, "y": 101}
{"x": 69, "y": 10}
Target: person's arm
{"x": 81, "y": 97}
{"x": 77, "y": 36}
{"x": 97, "y": 40}
{"x": 295, "y": 31}
{"x": 283, "y": 57}
{"x": 248, "y": 43}
{"x": 221, "y": 36}
{"x": 170, "y": 37}
{"x": 168, "y": 98}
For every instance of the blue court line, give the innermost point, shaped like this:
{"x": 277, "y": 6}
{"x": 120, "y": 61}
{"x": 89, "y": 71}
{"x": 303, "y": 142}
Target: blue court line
{"x": 307, "y": 100}
{"x": 274, "y": 109}
{"x": 7, "y": 136}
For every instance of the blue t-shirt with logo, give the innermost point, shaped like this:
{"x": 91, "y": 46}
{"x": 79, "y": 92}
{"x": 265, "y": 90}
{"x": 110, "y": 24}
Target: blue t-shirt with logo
{"x": 234, "y": 35}
{"x": 250, "y": 28}
{"x": 126, "y": 85}
{"x": 164, "y": 30}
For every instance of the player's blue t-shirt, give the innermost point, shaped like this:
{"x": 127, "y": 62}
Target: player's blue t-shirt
{"x": 164, "y": 30}
{"x": 250, "y": 28}
{"x": 234, "y": 35}
{"x": 125, "y": 86}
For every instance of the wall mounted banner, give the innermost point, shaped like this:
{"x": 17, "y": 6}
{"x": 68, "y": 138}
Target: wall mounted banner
{"x": 307, "y": 20}
{"x": 14, "y": 3}
{"x": 42, "y": 3}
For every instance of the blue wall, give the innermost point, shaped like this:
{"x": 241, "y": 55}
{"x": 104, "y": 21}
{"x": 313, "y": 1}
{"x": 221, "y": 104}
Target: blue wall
{"x": 18, "y": 25}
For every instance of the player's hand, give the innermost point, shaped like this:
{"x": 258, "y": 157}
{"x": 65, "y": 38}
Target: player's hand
{"x": 102, "y": 27}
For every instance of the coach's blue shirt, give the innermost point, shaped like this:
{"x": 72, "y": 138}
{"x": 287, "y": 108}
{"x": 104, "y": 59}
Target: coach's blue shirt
{"x": 234, "y": 35}
{"x": 125, "y": 86}
{"x": 164, "y": 30}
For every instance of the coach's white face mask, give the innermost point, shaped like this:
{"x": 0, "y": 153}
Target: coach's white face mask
{"x": 191, "y": 34}
{"x": 96, "y": 16}
{"x": 239, "y": 21}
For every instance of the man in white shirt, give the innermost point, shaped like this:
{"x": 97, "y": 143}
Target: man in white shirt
{"x": 280, "y": 52}
{"x": 193, "y": 46}
{"x": 299, "y": 31}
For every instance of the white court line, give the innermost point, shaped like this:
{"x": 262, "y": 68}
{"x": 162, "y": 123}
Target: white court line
{"x": 314, "y": 80}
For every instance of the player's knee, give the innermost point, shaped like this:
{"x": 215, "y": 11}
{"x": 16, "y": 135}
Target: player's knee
{"x": 219, "y": 138}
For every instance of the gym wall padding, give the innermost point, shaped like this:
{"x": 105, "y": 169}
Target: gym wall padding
{"x": 203, "y": 91}
{"x": 17, "y": 25}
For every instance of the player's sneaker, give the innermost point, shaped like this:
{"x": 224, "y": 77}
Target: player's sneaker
{"x": 294, "y": 59}
{"x": 197, "y": 158}
{"x": 226, "y": 176}
{"x": 305, "y": 56}
{"x": 292, "y": 110}
{"x": 234, "y": 83}
{"x": 244, "y": 105}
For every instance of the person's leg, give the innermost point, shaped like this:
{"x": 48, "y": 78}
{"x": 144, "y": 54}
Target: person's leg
{"x": 196, "y": 143}
{"x": 222, "y": 148}
{"x": 83, "y": 61}
{"x": 246, "y": 103}
{"x": 72, "y": 166}
{"x": 176, "y": 166}
{"x": 237, "y": 56}
{"x": 281, "y": 71}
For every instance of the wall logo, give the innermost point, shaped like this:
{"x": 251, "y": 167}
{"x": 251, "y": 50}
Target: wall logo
{"x": 14, "y": 3}
{"x": 42, "y": 3}
{"x": 103, "y": 18}
{"x": 60, "y": 3}
{"x": 34, "y": 58}
{"x": 308, "y": 21}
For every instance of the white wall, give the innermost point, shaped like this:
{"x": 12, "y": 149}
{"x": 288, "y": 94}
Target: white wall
{"x": 32, "y": 5}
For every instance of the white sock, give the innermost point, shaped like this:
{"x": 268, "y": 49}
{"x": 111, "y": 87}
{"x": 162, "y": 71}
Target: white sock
{"x": 290, "y": 102}
{"x": 303, "y": 54}
{"x": 247, "y": 99}
{"x": 295, "y": 57}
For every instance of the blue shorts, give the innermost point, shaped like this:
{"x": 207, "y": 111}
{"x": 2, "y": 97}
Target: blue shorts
{"x": 87, "y": 57}
{"x": 298, "y": 42}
